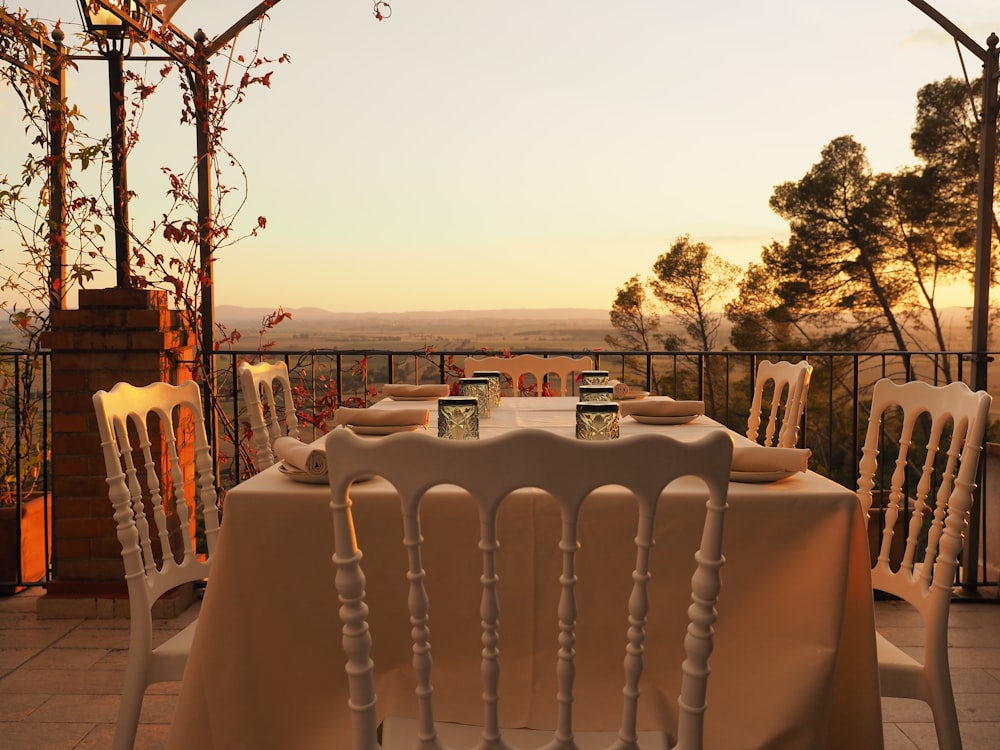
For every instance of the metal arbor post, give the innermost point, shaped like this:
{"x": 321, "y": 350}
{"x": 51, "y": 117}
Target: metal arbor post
{"x": 984, "y": 245}
{"x": 119, "y": 178}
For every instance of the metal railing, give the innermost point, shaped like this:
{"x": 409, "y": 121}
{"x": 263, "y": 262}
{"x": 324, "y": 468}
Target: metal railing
{"x": 832, "y": 425}
{"x": 841, "y": 384}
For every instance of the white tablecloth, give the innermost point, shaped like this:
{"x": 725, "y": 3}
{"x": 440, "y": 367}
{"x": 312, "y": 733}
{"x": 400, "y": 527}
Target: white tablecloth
{"x": 794, "y": 664}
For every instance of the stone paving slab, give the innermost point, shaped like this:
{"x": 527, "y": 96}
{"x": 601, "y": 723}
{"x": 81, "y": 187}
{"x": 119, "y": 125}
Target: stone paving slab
{"x": 60, "y": 680}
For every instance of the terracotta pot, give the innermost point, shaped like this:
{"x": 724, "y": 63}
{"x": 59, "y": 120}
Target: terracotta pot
{"x": 31, "y": 561}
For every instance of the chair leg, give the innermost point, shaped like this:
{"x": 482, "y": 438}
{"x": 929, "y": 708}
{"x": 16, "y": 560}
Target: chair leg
{"x": 128, "y": 716}
{"x": 946, "y": 722}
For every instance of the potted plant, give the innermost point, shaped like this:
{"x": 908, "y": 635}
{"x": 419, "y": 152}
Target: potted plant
{"x": 24, "y": 508}
{"x": 23, "y": 540}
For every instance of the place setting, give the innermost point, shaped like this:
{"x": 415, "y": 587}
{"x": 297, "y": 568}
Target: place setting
{"x": 301, "y": 462}
{"x": 377, "y": 422}
{"x": 307, "y": 462}
{"x": 662, "y": 410}
{"x": 624, "y": 392}
{"x": 597, "y": 385}
{"x": 760, "y": 464}
{"x": 410, "y": 392}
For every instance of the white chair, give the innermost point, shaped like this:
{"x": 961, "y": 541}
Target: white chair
{"x": 933, "y": 435}
{"x": 260, "y": 385}
{"x": 568, "y": 470}
{"x": 146, "y": 474}
{"x": 783, "y": 387}
{"x": 537, "y": 367}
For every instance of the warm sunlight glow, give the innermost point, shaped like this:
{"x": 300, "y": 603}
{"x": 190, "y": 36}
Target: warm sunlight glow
{"x": 515, "y": 154}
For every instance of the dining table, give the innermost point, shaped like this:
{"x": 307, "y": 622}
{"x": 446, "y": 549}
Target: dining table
{"x": 794, "y": 664}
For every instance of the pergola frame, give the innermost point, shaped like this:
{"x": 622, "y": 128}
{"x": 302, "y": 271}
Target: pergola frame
{"x": 196, "y": 67}
{"x": 192, "y": 54}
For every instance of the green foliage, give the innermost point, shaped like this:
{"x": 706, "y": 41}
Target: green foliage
{"x": 868, "y": 253}
{"x": 634, "y": 317}
{"x": 692, "y": 282}
{"x": 761, "y": 318}
{"x": 866, "y": 257}
{"x": 837, "y": 259}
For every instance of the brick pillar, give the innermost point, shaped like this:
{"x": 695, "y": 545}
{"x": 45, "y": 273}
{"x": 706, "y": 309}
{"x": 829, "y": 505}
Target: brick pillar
{"x": 116, "y": 335}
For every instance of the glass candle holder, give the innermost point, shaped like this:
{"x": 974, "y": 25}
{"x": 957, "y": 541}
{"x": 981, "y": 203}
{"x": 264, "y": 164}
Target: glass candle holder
{"x": 480, "y": 388}
{"x": 458, "y": 417}
{"x": 594, "y": 377}
{"x": 496, "y": 378}
{"x": 597, "y": 420}
{"x": 597, "y": 392}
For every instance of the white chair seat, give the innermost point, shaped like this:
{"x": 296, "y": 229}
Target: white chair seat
{"x": 899, "y": 673}
{"x": 170, "y": 657}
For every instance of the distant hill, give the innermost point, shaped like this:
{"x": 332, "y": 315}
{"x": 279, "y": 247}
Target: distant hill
{"x": 312, "y": 314}
{"x": 571, "y": 329}
{"x": 315, "y": 328}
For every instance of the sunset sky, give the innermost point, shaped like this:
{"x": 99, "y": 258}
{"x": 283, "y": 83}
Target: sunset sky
{"x": 515, "y": 153}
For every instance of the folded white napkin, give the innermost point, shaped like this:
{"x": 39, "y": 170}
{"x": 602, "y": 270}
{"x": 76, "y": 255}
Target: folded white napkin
{"x": 661, "y": 406}
{"x": 406, "y": 390}
{"x": 301, "y": 456}
{"x": 620, "y": 389}
{"x": 347, "y": 415}
{"x": 763, "y": 458}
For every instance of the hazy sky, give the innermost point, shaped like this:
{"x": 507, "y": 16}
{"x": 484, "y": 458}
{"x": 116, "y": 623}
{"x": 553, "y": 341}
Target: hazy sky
{"x": 517, "y": 153}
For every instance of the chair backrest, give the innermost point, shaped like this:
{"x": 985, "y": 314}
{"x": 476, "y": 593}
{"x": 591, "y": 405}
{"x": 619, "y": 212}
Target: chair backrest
{"x": 537, "y": 367}
{"x": 784, "y": 386}
{"x": 931, "y": 437}
{"x": 568, "y": 470}
{"x": 267, "y": 394}
{"x": 150, "y": 471}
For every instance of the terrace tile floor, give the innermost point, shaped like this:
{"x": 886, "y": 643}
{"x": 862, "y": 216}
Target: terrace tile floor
{"x": 60, "y": 679}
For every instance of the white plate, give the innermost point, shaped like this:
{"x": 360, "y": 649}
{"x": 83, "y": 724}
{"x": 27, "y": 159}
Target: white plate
{"x": 759, "y": 477}
{"x": 633, "y": 395}
{"x": 302, "y": 476}
{"x": 397, "y": 397}
{"x": 650, "y": 419}
{"x": 382, "y": 429}
{"x": 305, "y": 477}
